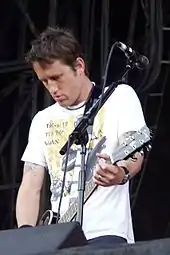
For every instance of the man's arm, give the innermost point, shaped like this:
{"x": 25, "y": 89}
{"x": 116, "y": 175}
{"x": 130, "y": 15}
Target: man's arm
{"x": 28, "y": 199}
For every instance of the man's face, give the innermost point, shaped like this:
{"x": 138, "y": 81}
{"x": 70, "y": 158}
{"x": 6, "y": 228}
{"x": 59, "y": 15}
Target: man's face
{"x": 63, "y": 83}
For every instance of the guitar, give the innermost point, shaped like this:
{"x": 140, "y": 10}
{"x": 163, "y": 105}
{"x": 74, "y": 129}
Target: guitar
{"x": 135, "y": 142}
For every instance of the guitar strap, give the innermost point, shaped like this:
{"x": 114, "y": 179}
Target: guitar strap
{"x": 94, "y": 95}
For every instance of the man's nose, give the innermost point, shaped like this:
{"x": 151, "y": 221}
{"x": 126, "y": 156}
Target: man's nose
{"x": 53, "y": 87}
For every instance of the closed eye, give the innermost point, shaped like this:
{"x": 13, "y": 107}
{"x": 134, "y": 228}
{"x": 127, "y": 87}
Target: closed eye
{"x": 55, "y": 77}
{"x": 52, "y": 78}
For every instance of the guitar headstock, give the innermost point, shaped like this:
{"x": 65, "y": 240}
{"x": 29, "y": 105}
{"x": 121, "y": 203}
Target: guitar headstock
{"x": 133, "y": 143}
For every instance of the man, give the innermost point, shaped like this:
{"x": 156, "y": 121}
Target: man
{"x": 58, "y": 62}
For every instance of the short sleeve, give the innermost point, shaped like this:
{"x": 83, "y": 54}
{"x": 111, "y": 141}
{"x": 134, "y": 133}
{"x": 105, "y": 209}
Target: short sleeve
{"x": 130, "y": 113}
{"x": 34, "y": 150}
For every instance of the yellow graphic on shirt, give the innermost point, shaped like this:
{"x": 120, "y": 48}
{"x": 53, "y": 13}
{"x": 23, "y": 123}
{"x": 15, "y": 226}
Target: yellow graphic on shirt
{"x": 57, "y": 132}
{"x": 97, "y": 129}
{"x": 56, "y": 136}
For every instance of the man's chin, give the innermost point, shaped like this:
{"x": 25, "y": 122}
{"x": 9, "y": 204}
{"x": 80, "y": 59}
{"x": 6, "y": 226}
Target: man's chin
{"x": 63, "y": 103}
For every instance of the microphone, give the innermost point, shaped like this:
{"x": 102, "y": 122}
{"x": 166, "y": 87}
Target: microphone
{"x": 141, "y": 61}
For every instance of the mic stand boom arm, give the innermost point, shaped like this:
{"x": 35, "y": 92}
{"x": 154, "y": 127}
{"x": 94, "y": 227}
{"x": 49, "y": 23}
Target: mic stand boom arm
{"x": 86, "y": 120}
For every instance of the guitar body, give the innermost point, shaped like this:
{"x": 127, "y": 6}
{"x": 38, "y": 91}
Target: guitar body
{"x": 49, "y": 217}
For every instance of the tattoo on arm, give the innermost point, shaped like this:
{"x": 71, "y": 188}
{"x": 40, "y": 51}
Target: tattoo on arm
{"x": 28, "y": 166}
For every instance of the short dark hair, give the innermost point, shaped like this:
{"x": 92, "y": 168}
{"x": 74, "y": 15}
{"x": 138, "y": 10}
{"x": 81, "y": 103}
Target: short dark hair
{"x": 55, "y": 43}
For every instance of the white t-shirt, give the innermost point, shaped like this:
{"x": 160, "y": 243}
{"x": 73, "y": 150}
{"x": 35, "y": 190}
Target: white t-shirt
{"x": 107, "y": 212}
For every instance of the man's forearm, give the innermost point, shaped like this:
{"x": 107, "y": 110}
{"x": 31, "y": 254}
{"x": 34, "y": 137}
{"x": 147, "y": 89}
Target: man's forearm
{"x": 27, "y": 207}
{"x": 134, "y": 165}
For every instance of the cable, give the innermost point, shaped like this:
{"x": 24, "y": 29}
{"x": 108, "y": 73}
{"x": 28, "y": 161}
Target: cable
{"x": 105, "y": 75}
{"x": 63, "y": 181}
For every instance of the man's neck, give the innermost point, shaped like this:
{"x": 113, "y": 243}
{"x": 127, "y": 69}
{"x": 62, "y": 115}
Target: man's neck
{"x": 86, "y": 89}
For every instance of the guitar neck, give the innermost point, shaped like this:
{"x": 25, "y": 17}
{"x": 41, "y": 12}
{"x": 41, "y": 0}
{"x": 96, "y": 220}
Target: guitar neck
{"x": 71, "y": 213}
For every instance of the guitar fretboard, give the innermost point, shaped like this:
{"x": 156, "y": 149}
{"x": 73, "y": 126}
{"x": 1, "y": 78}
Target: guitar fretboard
{"x": 89, "y": 186}
{"x": 71, "y": 213}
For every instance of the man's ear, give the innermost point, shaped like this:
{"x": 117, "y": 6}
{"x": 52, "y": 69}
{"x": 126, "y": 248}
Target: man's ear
{"x": 79, "y": 66}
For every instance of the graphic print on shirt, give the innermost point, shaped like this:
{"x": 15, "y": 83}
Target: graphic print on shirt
{"x": 72, "y": 152}
{"x": 56, "y": 135}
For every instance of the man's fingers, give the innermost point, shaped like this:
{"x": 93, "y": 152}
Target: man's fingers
{"x": 105, "y": 167}
{"x": 102, "y": 155}
{"x": 104, "y": 175}
{"x": 104, "y": 158}
{"x": 100, "y": 180}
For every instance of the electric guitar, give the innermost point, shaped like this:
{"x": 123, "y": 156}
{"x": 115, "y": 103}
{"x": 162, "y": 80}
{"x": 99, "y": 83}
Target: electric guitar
{"x": 135, "y": 142}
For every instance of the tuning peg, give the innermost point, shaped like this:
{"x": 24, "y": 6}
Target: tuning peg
{"x": 148, "y": 147}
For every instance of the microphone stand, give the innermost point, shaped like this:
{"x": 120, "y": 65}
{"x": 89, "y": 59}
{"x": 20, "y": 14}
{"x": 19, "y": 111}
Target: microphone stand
{"x": 80, "y": 136}
{"x": 82, "y": 176}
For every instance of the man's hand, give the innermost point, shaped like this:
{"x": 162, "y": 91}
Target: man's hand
{"x": 107, "y": 174}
